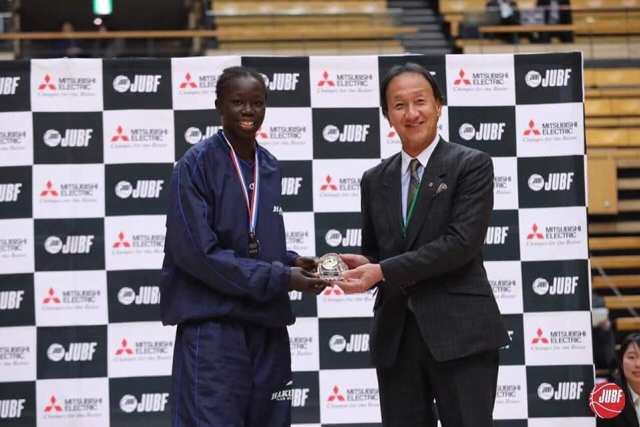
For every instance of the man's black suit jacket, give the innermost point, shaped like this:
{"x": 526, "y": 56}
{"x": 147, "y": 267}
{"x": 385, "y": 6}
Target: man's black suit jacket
{"x": 437, "y": 263}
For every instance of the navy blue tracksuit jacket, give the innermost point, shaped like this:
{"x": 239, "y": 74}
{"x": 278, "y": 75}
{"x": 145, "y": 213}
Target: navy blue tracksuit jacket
{"x": 224, "y": 302}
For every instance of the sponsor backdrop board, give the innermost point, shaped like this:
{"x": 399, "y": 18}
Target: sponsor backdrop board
{"x": 86, "y": 151}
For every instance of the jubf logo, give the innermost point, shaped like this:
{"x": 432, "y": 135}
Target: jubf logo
{"x": 146, "y": 295}
{"x": 351, "y": 237}
{"x": 143, "y": 189}
{"x": 349, "y": 133}
{"x": 77, "y": 352}
{"x": 485, "y": 132}
{"x": 556, "y": 181}
{"x": 9, "y": 192}
{"x": 8, "y": 85}
{"x": 496, "y": 235}
{"x": 11, "y": 408}
{"x": 556, "y": 77}
{"x": 148, "y": 402}
{"x": 142, "y": 83}
{"x": 564, "y": 390}
{"x": 80, "y": 244}
{"x": 565, "y": 285}
{"x": 356, "y": 343}
{"x": 11, "y": 300}
{"x": 281, "y": 81}
{"x": 71, "y": 138}
{"x": 291, "y": 185}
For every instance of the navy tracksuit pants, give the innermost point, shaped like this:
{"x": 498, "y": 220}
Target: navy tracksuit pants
{"x": 225, "y": 374}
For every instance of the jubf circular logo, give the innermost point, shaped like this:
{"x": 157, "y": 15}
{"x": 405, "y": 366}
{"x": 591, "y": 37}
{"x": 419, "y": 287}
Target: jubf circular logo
{"x": 607, "y": 400}
{"x": 121, "y": 83}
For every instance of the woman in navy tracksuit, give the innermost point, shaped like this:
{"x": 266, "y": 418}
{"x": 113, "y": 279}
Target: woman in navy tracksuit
{"x": 226, "y": 272}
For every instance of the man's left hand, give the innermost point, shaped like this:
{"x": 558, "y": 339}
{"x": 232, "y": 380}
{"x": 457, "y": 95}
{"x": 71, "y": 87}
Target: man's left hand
{"x": 360, "y": 279}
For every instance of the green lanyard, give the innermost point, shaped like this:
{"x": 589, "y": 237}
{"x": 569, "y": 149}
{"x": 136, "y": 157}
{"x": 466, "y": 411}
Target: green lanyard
{"x": 411, "y": 209}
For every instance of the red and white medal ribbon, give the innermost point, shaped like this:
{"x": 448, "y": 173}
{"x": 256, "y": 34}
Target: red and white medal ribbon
{"x": 252, "y": 205}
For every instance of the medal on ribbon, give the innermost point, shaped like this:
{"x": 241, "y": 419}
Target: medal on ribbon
{"x": 253, "y": 244}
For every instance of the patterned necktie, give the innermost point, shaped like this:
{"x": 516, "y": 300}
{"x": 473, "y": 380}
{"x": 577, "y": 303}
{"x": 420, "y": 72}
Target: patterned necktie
{"x": 413, "y": 185}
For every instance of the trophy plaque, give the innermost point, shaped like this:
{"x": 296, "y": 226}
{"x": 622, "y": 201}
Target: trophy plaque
{"x": 331, "y": 266}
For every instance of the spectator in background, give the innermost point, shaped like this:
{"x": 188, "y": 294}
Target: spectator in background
{"x": 66, "y": 46}
{"x": 556, "y": 12}
{"x": 627, "y": 377}
{"x": 604, "y": 341}
{"x": 509, "y": 15}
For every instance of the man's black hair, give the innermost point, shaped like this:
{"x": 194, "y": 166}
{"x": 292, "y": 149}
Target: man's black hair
{"x": 232, "y": 73}
{"x": 409, "y": 67}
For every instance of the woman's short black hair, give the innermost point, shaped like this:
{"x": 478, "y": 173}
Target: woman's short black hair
{"x": 409, "y": 67}
{"x": 232, "y": 73}
{"x": 627, "y": 342}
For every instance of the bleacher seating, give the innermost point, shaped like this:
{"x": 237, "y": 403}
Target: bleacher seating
{"x": 306, "y": 27}
{"x": 612, "y": 111}
{"x": 603, "y": 29}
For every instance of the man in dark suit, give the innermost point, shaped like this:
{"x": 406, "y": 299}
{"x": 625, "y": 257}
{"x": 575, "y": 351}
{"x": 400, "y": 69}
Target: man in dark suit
{"x": 425, "y": 212}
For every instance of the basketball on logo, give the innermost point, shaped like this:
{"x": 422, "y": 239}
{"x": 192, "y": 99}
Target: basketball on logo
{"x": 607, "y": 400}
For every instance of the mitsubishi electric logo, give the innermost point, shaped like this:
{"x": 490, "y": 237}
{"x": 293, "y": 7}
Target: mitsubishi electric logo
{"x": 75, "y": 407}
{"x": 8, "y": 85}
{"x": 328, "y": 184}
{"x": 53, "y": 405}
{"x": 352, "y": 395}
{"x": 142, "y": 83}
{"x": 557, "y": 77}
{"x": 158, "y": 348}
{"x": 564, "y": 390}
{"x": 346, "y": 81}
{"x": 47, "y": 84}
{"x": 356, "y": 343}
{"x": 12, "y": 138}
{"x": 462, "y": 79}
{"x": 348, "y": 133}
{"x": 67, "y": 84}
{"x": 560, "y": 129}
{"x": 71, "y": 138}
{"x": 190, "y": 84}
{"x": 336, "y": 395}
{"x": 142, "y": 135}
{"x": 326, "y": 80}
{"x": 342, "y": 186}
{"x": 85, "y": 297}
{"x": 482, "y": 78}
{"x": 76, "y": 352}
{"x": 147, "y": 402}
